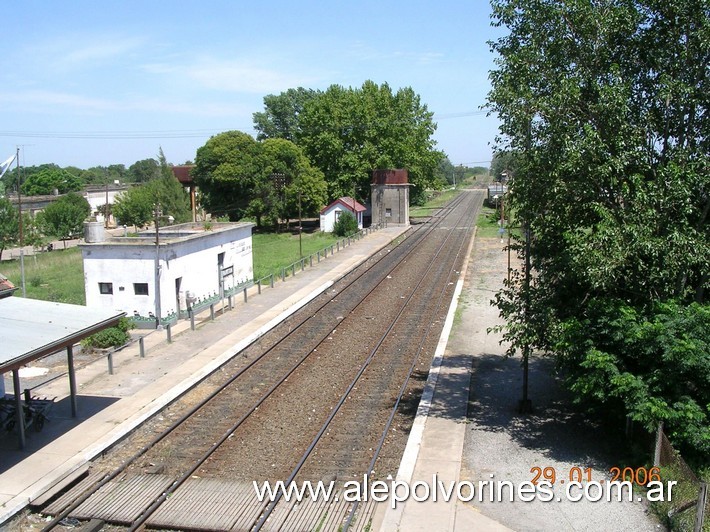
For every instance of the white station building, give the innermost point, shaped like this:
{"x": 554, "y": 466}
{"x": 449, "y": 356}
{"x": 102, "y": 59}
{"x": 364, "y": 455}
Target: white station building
{"x": 330, "y": 213}
{"x": 188, "y": 265}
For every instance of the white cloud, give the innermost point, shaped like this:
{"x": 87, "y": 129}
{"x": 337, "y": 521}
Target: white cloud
{"x": 48, "y": 102}
{"x": 40, "y": 100}
{"x": 81, "y": 51}
{"x": 233, "y": 75}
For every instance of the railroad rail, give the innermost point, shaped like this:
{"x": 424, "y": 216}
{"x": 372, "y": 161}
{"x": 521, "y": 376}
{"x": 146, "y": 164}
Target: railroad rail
{"x": 275, "y": 364}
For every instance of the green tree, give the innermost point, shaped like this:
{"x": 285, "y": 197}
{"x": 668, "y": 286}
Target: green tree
{"x": 235, "y": 175}
{"x": 605, "y": 106}
{"x": 47, "y": 180}
{"x": 65, "y": 217}
{"x": 144, "y": 171}
{"x": 228, "y": 169}
{"x": 280, "y": 118}
{"x": 171, "y": 195}
{"x": 134, "y": 206}
{"x": 281, "y": 156}
{"x": 503, "y": 163}
{"x": 348, "y": 133}
{"x": 345, "y": 225}
{"x": 9, "y": 225}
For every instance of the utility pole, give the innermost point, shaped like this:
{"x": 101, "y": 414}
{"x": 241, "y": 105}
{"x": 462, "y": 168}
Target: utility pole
{"x": 22, "y": 238}
{"x": 106, "y": 205}
{"x": 157, "y": 267}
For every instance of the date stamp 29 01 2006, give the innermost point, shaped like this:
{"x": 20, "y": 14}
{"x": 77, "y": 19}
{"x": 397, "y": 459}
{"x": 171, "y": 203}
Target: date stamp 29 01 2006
{"x": 622, "y": 478}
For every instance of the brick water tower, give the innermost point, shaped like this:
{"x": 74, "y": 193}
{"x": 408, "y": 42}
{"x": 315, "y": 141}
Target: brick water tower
{"x": 390, "y": 197}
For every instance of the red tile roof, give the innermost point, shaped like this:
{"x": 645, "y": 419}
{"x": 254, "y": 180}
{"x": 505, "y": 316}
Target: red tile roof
{"x": 349, "y": 203}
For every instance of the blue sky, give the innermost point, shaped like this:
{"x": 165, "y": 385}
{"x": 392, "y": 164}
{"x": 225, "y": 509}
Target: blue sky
{"x": 86, "y": 83}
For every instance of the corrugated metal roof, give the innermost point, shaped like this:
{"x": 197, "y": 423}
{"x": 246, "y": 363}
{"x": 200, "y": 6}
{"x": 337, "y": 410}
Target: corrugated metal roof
{"x": 397, "y": 176}
{"x": 31, "y": 329}
{"x": 182, "y": 173}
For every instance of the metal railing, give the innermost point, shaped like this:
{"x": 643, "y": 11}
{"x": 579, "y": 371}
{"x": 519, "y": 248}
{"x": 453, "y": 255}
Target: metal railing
{"x": 217, "y": 303}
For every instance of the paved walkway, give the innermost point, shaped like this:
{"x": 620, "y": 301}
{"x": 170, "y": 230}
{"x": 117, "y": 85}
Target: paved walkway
{"x": 435, "y": 446}
{"x": 110, "y": 406}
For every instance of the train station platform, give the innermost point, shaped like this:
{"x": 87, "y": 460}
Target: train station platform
{"x": 111, "y": 405}
{"x": 434, "y": 453}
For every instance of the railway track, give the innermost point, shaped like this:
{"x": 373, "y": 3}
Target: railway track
{"x": 297, "y": 405}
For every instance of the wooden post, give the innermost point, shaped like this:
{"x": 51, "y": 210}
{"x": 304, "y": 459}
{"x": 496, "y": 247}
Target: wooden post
{"x": 659, "y": 444}
{"x": 702, "y": 502}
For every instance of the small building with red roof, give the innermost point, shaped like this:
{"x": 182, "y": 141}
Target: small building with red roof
{"x": 330, "y": 214}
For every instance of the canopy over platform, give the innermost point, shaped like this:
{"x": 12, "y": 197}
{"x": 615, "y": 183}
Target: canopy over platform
{"x": 31, "y": 329}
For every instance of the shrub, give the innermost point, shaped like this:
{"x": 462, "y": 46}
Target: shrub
{"x": 111, "y": 337}
{"x": 345, "y": 225}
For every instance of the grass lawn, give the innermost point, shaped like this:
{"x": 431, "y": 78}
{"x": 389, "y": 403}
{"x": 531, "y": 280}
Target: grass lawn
{"x": 273, "y": 251}
{"x": 56, "y": 276}
{"x": 59, "y": 275}
{"x": 441, "y": 198}
{"x": 487, "y": 226}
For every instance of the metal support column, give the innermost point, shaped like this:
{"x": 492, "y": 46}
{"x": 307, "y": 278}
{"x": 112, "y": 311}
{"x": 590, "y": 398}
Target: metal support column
{"x": 72, "y": 380}
{"x": 19, "y": 413}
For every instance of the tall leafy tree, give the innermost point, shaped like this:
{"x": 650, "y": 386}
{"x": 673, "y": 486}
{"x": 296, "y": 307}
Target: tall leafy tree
{"x": 349, "y": 132}
{"x": 65, "y": 217}
{"x": 9, "y": 224}
{"x": 280, "y": 118}
{"x": 144, "y": 170}
{"x": 236, "y": 176}
{"x": 604, "y": 106}
{"x": 228, "y": 169}
{"x": 134, "y": 207}
{"x": 304, "y": 182}
{"x": 47, "y": 180}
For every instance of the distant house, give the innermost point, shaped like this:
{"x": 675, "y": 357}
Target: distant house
{"x": 330, "y": 214}
{"x": 495, "y": 193}
{"x": 191, "y": 265}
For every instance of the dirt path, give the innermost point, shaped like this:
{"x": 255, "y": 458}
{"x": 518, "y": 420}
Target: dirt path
{"x": 502, "y": 443}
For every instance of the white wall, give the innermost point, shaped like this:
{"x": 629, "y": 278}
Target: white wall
{"x": 97, "y": 198}
{"x": 327, "y": 219}
{"x": 194, "y": 259}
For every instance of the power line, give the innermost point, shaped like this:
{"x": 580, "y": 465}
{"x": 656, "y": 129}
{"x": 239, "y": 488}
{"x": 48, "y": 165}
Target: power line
{"x": 170, "y": 133}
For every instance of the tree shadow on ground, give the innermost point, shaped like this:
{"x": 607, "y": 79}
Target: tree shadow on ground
{"x": 555, "y": 428}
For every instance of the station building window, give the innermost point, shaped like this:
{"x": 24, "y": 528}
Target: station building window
{"x": 106, "y": 288}
{"x": 140, "y": 289}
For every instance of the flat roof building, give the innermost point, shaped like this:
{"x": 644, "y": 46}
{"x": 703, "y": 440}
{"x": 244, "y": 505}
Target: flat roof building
{"x": 155, "y": 278}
